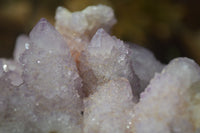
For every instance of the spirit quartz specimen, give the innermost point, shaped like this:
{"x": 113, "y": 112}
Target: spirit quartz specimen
{"x": 76, "y": 78}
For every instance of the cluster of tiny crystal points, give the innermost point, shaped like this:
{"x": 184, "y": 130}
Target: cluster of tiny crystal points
{"x": 76, "y": 78}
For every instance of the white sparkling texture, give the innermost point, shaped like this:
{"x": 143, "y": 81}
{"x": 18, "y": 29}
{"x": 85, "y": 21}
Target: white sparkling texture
{"x": 108, "y": 112}
{"x": 165, "y": 104}
{"x": 76, "y": 78}
{"x": 49, "y": 97}
{"x": 78, "y": 27}
{"x": 104, "y": 59}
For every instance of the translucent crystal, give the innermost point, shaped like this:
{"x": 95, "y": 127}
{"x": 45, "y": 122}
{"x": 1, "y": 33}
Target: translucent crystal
{"x": 164, "y": 106}
{"x": 79, "y": 27}
{"x": 49, "y": 49}
{"x": 109, "y": 109}
{"x": 106, "y": 58}
{"x": 82, "y": 80}
{"x": 144, "y": 63}
{"x": 88, "y": 20}
{"x": 50, "y": 89}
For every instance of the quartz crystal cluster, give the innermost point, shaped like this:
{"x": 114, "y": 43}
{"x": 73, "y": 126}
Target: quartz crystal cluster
{"x": 76, "y": 78}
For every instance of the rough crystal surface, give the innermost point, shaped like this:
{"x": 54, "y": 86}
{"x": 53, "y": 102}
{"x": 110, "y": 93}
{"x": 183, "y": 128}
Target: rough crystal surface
{"x": 78, "y": 27}
{"x": 80, "y": 79}
{"x": 49, "y": 97}
{"x": 86, "y": 21}
{"x": 104, "y": 59}
{"x": 108, "y": 112}
{"x": 165, "y": 105}
{"x": 52, "y": 52}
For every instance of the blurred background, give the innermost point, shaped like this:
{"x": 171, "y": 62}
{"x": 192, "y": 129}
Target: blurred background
{"x": 170, "y": 28}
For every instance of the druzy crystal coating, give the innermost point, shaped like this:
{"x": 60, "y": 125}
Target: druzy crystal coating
{"x": 77, "y": 78}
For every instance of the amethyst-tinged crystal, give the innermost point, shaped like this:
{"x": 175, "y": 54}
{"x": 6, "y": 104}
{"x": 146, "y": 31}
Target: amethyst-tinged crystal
{"x": 104, "y": 59}
{"x": 76, "y": 78}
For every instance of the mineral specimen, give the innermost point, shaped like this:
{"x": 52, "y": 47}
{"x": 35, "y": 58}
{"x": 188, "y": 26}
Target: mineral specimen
{"x": 104, "y": 59}
{"x": 145, "y": 64}
{"x": 165, "y": 106}
{"x": 48, "y": 98}
{"x": 108, "y": 112}
{"x": 78, "y": 27}
{"x": 80, "y": 79}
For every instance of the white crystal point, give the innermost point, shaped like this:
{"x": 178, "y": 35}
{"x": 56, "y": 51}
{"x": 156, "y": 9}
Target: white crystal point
{"x": 86, "y": 21}
{"x": 51, "y": 75}
{"x": 21, "y": 45}
{"x": 48, "y": 49}
{"x": 106, "y": 58}
{"x": 164, "y": 106}
{"x": 144, "y": 63}
{"x": 45, "y": 36}
{"x": 78, "y": 27}
{"x": 41, "y": 90}
{"x": 109, "y": 109}
{"x": 101, "y": 44}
